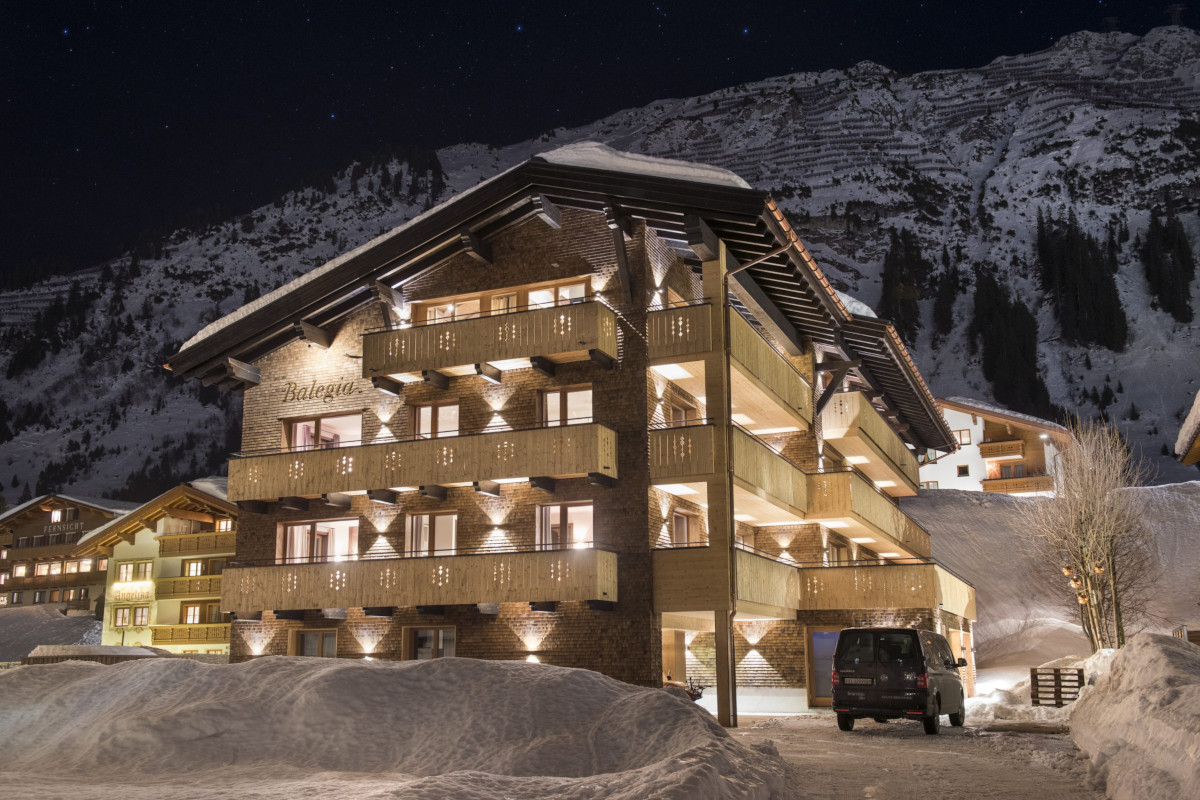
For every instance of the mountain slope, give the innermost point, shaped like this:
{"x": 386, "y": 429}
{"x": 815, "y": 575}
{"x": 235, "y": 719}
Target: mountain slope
{"x": 1104, "y": 126}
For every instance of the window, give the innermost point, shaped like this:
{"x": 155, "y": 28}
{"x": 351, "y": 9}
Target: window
{"x": 39, "y": 597}
{"x": 836, "y": 554}
{"x": 565, "y": 526}
{"x": 20, "y": 570}
{"x": 3, "y": 578}
{"x": 685, "y": 529}
{"x": 3, "y": 554}
{"x": 125, "y": 572}
{"x": 85, "y": 565}
{"x": 504, "y": 303}
{"x": 567, "y": 406}
{"x": 121, "y": 617}
{"x": 42, "y": 568}
{"x": 141, "y": 616}
{"x": 63, "y": 515}
{"x": 39, "y": 541}
{"x": 565, "y": 294}
{"x": 963, "y": 436}
{"x": 428, "y": 643}
{"x": 224, "y": 525}
{"x": 56, "y": 567}
{"x": 15, "y": 598}
{"x": 323, "y": 432}
{"x": 212, "y": 613}
{"x": 71, "y": 567}
{"x": 194, "y": 568}
{"x": 432, "y": 534}
{"x": 319, "y": 644}
{"x": 69, "y": 594}
{"x": 189, "y": 613}
{"x": 83, "y": 593}
{"x": 964, "y": 471}
{"x": 929, "y": 484}
{"x": 1012, "y": 470}
{"x": 327, "y": 540}
{"x": 453, "y": 310}
{"x": 55, "y": 595}
{"x": 22, "y": 541}
{"x": 679, "y": 415}
{"x": 433, "y": 421}
{"x": 142, "y": 570}
{"x": 101, "y": 564}
{"x": 215, "y": 566}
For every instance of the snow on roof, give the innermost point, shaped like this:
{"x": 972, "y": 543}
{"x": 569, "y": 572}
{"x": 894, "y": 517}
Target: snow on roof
{"x": 55, "y": 650}
{"x": 118, "y": 507}
{"x": 989, "y": 408}
{"x": 216, "y": 485}
{"x": 1190, "y": 431}
{"x": 856, "y": 306}
{"x": 600, "y": 156}
{"x": 24, "y": 628}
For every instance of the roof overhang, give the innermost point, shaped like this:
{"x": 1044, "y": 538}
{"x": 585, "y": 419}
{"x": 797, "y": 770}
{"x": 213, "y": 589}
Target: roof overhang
{"x": 182, "y": 498}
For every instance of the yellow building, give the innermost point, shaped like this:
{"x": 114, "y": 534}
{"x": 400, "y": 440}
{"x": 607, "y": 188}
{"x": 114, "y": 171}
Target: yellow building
{"x": 165, "y": 562}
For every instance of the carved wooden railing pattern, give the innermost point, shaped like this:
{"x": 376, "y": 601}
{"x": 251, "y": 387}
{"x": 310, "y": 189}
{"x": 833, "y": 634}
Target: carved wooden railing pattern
{"x": 679, "y": 331}
{"x": 680, "y": 452}
{"x": 197, "y": 543}
{"x": 851, "y": 414}
{"x": 190, "y": 634}
{"x": 1011, "y": 448}
{"x": 178, "y": 588}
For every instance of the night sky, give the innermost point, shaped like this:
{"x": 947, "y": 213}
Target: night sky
{"x": 120, "y": 118}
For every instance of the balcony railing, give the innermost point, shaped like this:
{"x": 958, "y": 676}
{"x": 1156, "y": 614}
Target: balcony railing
{"x": 509, "y": 577}
{"x": 190, "y": 634}
{"x": 763, "y": 468}
{"x": 63, "y": 580}
{"x": 1014, "y": 448}
{"x": 204, "y": 543}
{"x": 182, "y": 588}
{"x": 866, "y": 585}
{"x": 1027, "y": 483}
{"x": 679, "y": 330}
{"x": 858, "y": 431}
{"x": 850, "y": 497}
{"x": 765, "y": 364}
{"x": 560, "y": 333}
{"x": 681, "y": 452}
{"x": 563, "y": 451}
{"x": 767, "y": 582}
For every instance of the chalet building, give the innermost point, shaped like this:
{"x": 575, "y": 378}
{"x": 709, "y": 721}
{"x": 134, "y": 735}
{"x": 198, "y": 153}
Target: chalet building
{"x": 998, "y": 451}
{"x": 165, "y": 560}
{"x": 600, "y": 411}
{"x": 37, "y": 541}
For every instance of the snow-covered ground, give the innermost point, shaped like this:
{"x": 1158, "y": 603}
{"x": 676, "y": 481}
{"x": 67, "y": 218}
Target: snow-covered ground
{"x": 22, "y": 629}
{"x": 290, "y": 727}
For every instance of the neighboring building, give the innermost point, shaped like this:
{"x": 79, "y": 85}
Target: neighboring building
{"x": 37, "y": 540}
{"x": 600, "y": 411}
{"x": 164, "y": 578}
{"x": 1187, "y": 445}
{"x": 998, "y": 451}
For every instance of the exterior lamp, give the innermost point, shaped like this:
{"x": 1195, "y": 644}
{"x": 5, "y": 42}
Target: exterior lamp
{"x": 1099, "y": 569}
{"x": 1083, "y": 599}
{"x": 1066, "y": 570}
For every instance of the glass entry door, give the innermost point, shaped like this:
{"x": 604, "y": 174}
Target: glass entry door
{"x": 821, "y": 643}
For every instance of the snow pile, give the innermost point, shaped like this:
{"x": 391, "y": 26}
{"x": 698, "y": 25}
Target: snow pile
{"x": 855, "y": 306}
{"x": 1141, "y": 722}
{"x": 23, "y": 629}
{"x": 1015, "y": 704}
{"x": 446, "y": 728}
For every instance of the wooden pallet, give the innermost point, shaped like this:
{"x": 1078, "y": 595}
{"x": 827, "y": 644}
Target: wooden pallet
{"x": 1054, "y": 686}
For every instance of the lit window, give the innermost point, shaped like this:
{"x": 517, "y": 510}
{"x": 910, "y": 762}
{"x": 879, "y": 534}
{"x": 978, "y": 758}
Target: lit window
{"x": 56, "y": 567}
{"x": 212, "y": 613}
{"x": 189, "y": 614}
{"x": 71, "y": 567}
{"x": 125, "y": 572}
{"x": 224, "y": 525}
{"x": 141, "y": 616}
{"x": 85, "y": 565}
{"x": 55, "y": 595}
{"x": 316, "y": 644}
{"x": 142, "y": 570}
{"x": 192, "y": 569}
{"x": 327, "y": 540}
{"x": 39, "y": 597}
{"x": 963, "y": 436}
{"x": 434, "y": 421}
{"x": 101, "y": 565}
{"x": 679, "y": 415}
{"x": 564, "y": 527}
{"x": 3, "y": 578}
{"x": 120, "y": 617}
{"x": 41, "y": 569}
{"x": 20, "y": 570}
{"x": 567, "y": 406}
{"x": 432, "y": 534}
{"x": 344, "y": 430}
{"x": 429, "y": 643}
{"x": 504, "y": 303}
{"x": 15, "y": 598}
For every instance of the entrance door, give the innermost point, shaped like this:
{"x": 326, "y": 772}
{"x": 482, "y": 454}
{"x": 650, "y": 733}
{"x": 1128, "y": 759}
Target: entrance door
{"x": 960, "y": 644}
{"x": 821, "y": 643}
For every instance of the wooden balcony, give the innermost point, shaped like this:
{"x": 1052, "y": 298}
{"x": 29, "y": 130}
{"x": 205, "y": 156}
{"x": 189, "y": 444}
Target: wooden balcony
{"x": 767, "y": 587}
{"x": 567, "y": 451}
{"x": 63, "y": 581}
{"x": 861, "y": 510}
{"x": 768, "y": 369}
{"x": 682, "y": 453}
{"x": 552, "y": 575}
{"x": 679, "y": 331}
{"x": 205, "y": 543}
{"x": 186, "y": 588}
{"x": 885, "y": 586}
{"x": 1014, "y": 448}
{"x": 689, "y": 579}
{"x": 190, "y": 634}
{"x": 859, "y": 433}
{"x": 560, "y": 334}
{"x": 769, "y": 475}
{"x": 1028, "y": 483}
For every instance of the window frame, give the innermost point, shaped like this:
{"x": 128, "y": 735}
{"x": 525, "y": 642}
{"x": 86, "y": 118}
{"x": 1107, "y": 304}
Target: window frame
{"x": 414, "y": 419}
{"x": 964, "y": 471}
{"x": 141, "y": 616}
{"x": 124, "y": 572}
{"x": 545, "y": 529}
{"x": 409, "y": 651}
{"x": 563, "y": 393}
{"x": 289, "y": 431}
{"x": 283, "y": 541}
{"x": 410, "y": 534}
{"x": 294, "y": 644}
{"x": 121, "y": 615}
{"x": 962, "y": 436}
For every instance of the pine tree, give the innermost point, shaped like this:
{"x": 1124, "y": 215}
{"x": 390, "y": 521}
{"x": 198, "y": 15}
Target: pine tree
{"x": 1007, "y": 331}
{"x": 1169, "y": 266}
{"x": 905, "y": 269}
{"x": 1078, "y": 275}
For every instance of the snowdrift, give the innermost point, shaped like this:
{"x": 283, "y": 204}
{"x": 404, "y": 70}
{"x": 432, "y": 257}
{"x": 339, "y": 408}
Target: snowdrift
{"x": 1141, "y": 722}
{"x": 24, "y": 628}
{"x": 1014, "y": 704}
{"x": 445, "y": 728}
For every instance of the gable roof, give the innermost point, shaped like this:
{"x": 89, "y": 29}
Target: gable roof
{"x": 681, "y": 203}
{"x": 117, "y": 507}
{"x": 184, "y": 497}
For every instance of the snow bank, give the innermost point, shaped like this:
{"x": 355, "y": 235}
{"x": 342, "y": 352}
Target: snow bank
{"x": 1015, "y": 704}
{"x": 24, "y": 628}
{"x": 443, "y": 728}
{"x": 1141, "y": 722}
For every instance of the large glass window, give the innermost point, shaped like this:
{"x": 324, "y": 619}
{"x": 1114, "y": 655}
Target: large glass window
{"x": 432, "y": 534}
{"x": 141, "y": 616}
{"x": 431, "y": 422}
{"x": 316, "y": 644}
{"x": 41, "y": 569}
{"x": 565, "y": 294}
{"x": 193, "y": 568}
{"x": 121, "y": 616}
{"x": 327, "y": 540}
{"x": 565, "y": 527}
{"x": 336, "y": 431}
{"x": 64, "y": 515}
{"x": 567, "y": 406}
{"x": 429, "y": 643}
{"x": 453, "y": 310}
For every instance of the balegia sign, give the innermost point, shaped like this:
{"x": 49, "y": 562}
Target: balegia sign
{"x": 293, "y": 391}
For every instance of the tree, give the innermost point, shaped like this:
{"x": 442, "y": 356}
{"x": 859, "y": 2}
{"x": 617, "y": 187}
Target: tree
{"x": 1091, "y": 538}
{"x": 905, "y": 269}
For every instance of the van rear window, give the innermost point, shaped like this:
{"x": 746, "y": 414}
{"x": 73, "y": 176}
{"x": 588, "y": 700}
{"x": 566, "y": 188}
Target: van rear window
{"x": 871, "y": 647}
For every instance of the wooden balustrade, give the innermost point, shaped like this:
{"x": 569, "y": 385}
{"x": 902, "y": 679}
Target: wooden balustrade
{"x": 1028, "y": 483}
{"x": 190, "y": 634}
{"x": 567, "y": 451}
{"x": 681, "y": 453}
{"x": 766, "y": 582}
{"x": 1014, "y": 448}
{"x": 560, "y": 333}
{"x": 205, "y": 542}
{"x": 885, "y": 586}
{"x": 848, "y": 497}
{"x": 64, "y": 580}
{"x": 180, "y": 588}
{"x": 553, "y": 575}
{"x": 861, "y": 434}
{"x": 764, "y": 364}
{"x": 770, "y": 473}
{"x": 679, "y": 331}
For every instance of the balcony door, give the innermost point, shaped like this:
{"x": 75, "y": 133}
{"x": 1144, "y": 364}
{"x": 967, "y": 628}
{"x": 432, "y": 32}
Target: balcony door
{"x": 323, "y": 432}
{"x": 432, "y": 534}
{"x": 570, "y": 406}
{"x": 326, "y": 540}
{"x": 565, "y": 527}
{"x": 435, "y": 421}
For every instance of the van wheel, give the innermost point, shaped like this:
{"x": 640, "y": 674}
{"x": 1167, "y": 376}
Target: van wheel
{"x": 845, "y": 722}
{"x": 934, "y": 723}
{"x": 958, "y": 719}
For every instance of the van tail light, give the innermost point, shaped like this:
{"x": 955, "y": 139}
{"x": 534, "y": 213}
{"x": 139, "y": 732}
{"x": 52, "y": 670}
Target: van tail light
{"x": 835, "y": 679}
{"x": 923, "y": 681}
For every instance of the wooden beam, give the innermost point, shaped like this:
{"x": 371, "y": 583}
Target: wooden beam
{"x": 476, "y": 248}
{"x": 490, "y": 488}
{"x": 700, "y": 238}
{"x": 431, "y": 610}
{"x": 183, "y": 513}
{"x": 246, "y": 373}
{"x": 336, "y": 499}
{"x": 547, "y": 211}
{"x": 292, "y": 614}
{"x": 379, "y": 611}
{"x": 600, "y": 479}
{"x": 313, "y": 334}
{"x": 293, "y": 503}
{"x": 542, "y": 484}
{"x": 387, "y": 385}
{"x": 386, "y": 294}
{"x": 385, "y": 496}
{"x": 231, "y": 385}
{"x": 435, "y": 378}
{"x": 837, "y": 371}
{"x": 543, "y": 365}
{"x": 617, "y": 221}
{"x": 488, "y": 372}
{"x": 839, "y": 367}
{"x": 253, "y": 506}
{"x": 603, "y": 359}
{"x": 433, "y": 490}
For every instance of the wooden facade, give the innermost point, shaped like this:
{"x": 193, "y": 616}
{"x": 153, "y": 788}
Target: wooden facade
{"x": 860, "y": 434}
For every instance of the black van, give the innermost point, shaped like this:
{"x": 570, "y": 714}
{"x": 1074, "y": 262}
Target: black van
{"x": 889, "y": 673}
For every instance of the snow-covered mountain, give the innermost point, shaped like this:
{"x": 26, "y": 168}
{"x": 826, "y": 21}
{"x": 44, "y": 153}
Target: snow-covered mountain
{"x": 1106, "y": 126}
